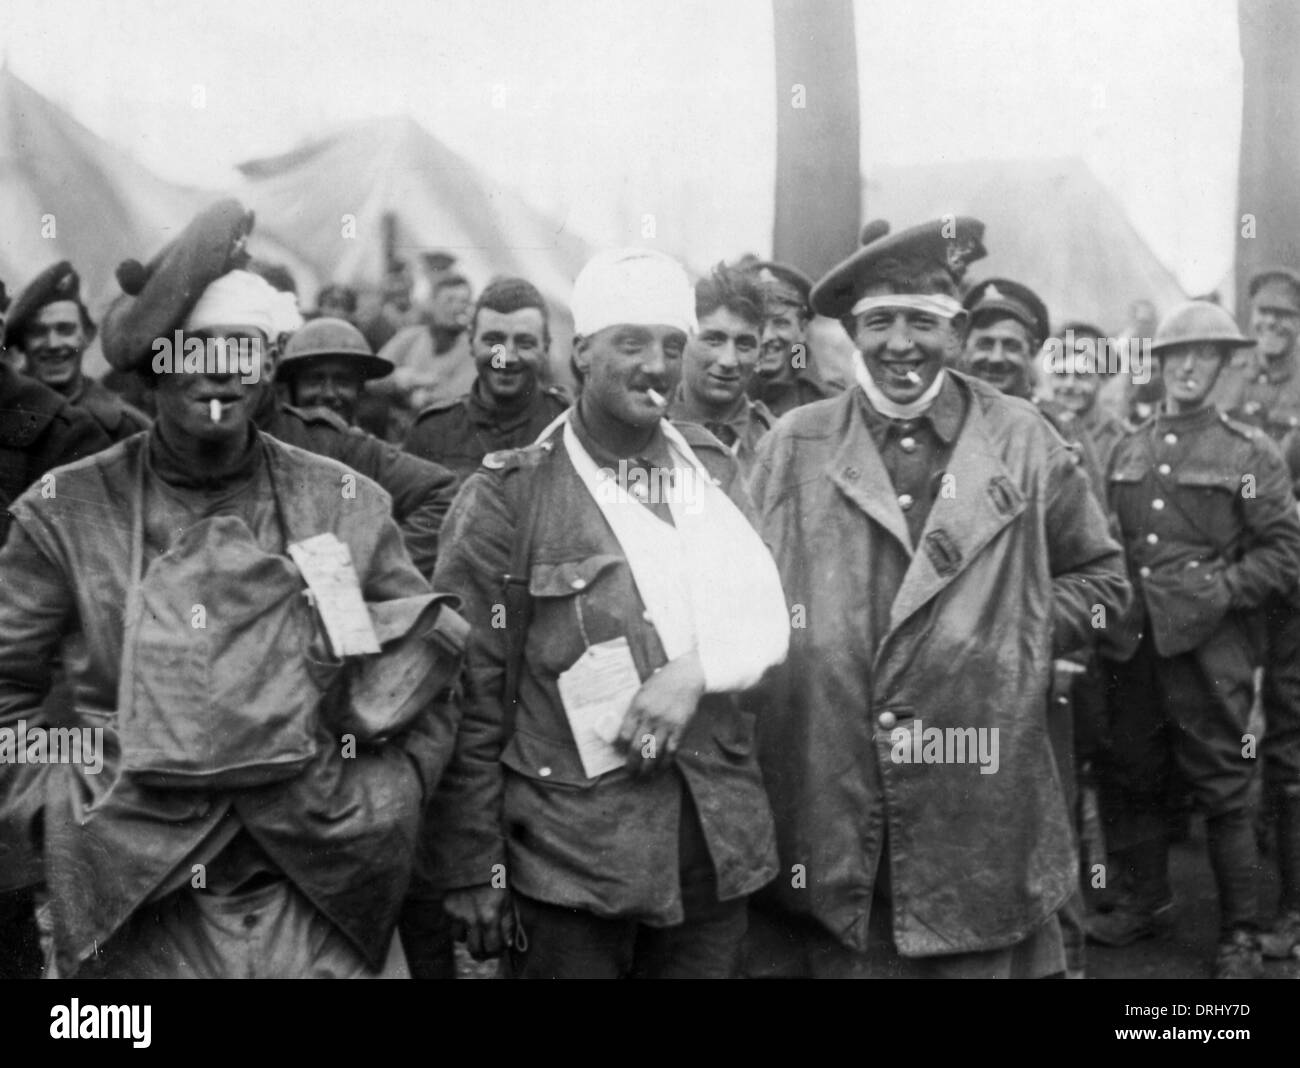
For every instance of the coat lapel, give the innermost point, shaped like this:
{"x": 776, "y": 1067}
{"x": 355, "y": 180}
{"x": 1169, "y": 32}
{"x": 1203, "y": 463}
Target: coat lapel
{"x": 976, "y": 501}
{"x": 859, "y": 472}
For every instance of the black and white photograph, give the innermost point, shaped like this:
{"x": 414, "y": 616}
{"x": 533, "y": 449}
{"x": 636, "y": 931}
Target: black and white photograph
{"x": 650, "y": 489}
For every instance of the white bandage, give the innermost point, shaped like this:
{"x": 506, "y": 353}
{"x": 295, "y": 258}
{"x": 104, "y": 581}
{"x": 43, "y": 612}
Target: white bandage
{"x": 932, "y": 304}
{"x": 635, "y": 286}
{"x": 242, "y": 298}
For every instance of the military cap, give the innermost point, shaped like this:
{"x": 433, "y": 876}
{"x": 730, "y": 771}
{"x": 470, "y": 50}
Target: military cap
{"x": 57, "y": 282}
{"x": 333, "y": 337}
{"x": 1286, "y": 292}
{"x": 1003, "y": 297}
{"x": 782, "y": 285}
{"x": 158, "y": 296}
{"x": 1199, "y": 322}
{"x": 950, "y": 244}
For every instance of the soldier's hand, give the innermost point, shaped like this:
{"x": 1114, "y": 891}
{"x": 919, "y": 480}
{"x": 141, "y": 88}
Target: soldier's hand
{"x": 482, "y": 917}
{"x": 660, "y": 712}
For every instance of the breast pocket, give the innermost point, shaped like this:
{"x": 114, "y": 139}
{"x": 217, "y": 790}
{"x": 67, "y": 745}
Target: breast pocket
{"x": 1208, "y": 498}
{"x": 576, "y": 603}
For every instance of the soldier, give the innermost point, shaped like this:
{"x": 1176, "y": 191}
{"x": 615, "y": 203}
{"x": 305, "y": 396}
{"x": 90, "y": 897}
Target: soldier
{"x": 39, "y": 430}
{"x": 1211, "y": 532}
{"x": 787, "y": 374}
{"x": 265, "y": 755}
{"x": 421, "y": 492}
{"x": 53, "y": 329}
{"x": 1264, "y": 390}
{"x": 719, "y": 364}
{"x": 1075, "y": 382}
{"x": 508, "y": 405}
{"x": 604, "y": 769}
{"x": 326, "y": 364}
{"x": 977, "y": 554}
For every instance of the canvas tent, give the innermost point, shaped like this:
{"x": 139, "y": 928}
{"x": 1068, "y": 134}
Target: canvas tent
{"x": 1050, "y": 224}
{"x": 327, "y": 202}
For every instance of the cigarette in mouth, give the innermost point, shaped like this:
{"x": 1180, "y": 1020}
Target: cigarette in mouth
{"x": 657, "y": 398}
{"x": 214, "y": 410}
{"x": 914, "y": 378}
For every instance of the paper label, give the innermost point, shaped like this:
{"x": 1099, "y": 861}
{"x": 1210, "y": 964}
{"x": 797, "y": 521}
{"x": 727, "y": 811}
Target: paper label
{"x": 326, "y": 564}
{"x": 596, "y": 692}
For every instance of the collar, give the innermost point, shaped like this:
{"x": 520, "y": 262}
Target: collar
{"x": 484, "y": 412}
{"x": 656, "y": 454}
{"x": 178, "y": 471}
{"x": 683, "y": 407}
{"x": 1184, "y": 421}
{"x": 945, "y": 413}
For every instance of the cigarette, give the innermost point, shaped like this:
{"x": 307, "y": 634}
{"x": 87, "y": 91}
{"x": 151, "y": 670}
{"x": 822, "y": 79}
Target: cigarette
{"x": 914, "y": 378}
{"x": 214, "y": 410}
{"x": 657, "y": 398}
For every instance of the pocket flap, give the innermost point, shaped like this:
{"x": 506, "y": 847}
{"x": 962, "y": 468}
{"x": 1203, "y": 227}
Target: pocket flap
{"x": 1208, "y": 478}
{"x": 568, "y": 577}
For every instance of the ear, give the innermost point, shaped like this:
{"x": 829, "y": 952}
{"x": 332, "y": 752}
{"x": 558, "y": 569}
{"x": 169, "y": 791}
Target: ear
{"x": 581, "y": 355}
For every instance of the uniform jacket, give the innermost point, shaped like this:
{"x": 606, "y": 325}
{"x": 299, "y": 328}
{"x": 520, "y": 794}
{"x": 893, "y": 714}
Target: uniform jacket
{"x": 1252, "y": 392}
{"x": 459, "y": 433}
{"x": 609, "y": 845}
{"x": 421, "y": 491}
{"x": 751, "y": 421}
{"x": 117, "y": 418}
{"x": 1208, "y": 522}
{"x": 958, "y": 632}
{"x": 343, "y": 830}
{"x": 781, "y": 397}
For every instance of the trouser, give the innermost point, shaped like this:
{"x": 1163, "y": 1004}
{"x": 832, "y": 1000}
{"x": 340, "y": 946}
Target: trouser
{"x": 1189, "y": 714}
{"x": 557, "y": 942}
{"x": 272, "y": 932}
{"x": 1281, "y": 745}
{"x": 1061, "y": 732}
{"x": 20, "y": 938}
{"x": 783, "y": 946}
{"x": 426, "y": 935}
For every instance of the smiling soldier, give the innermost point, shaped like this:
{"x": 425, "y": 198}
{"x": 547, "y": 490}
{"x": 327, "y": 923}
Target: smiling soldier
{"x": 52, "y": 328}
{"x": 1209, "y": 524}
{"x": 977, "y": 553}
{"x": 619, "y": 796}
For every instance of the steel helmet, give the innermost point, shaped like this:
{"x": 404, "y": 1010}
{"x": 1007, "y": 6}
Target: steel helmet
{"x": 1198, "y": 321}
{"x": 332, "y": 337}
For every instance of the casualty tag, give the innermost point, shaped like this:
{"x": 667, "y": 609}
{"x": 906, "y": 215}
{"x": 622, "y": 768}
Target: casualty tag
{"x": 326, "y": 564}
{"x": 596, "y": 693}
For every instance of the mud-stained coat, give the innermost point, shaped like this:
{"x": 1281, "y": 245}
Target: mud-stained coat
{"x": 960, "y": 632}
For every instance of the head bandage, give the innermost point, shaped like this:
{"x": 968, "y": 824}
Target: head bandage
{"x": 636, "y": 286}
{"x": 932, "y": 304}
{"x": 242, "y": 298}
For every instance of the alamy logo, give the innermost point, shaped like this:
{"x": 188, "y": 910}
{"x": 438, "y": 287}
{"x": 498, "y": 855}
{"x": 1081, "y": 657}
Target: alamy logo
{"x": 21, "y": 744}
{"x": 208, "y": 356}
{"x": 919, "y": 744}
{"x": 653, "y": 485}
{"x": 1105, "y": 355}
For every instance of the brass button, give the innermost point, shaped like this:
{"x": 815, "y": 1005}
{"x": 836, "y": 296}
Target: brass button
{"x": 647, "y": 617}
{"x": 850, "y": 473}
{"x": 1145, "y": 572}
{"x": 907, "y": 444}
{"x": 905, "y": 501}
{"x": 1171, "y": 439}
{"x": 887, "y": 720}
{"x": 1164, "y": 469}
{"x": 579, "y": 584}
{"x": 544, "y": 772}
{"x": 1158, "y": 504}
{"x": 1152, "y": 538}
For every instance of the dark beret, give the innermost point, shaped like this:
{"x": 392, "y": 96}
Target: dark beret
{"x": 159, "y": 296}
{"x": 57, "y": 282}
{"x": 949, "y": 244}
{"x": 1005, "y": 297}
{"x": 1276, "y": 274}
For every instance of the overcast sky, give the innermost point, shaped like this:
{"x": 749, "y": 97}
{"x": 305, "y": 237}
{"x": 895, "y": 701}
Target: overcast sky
{"x": 603, "y": 110}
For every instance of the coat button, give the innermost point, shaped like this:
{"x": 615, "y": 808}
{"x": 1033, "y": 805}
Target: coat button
{"x": 647, "y": 616}
{"x": 1164, "y": 469}
{"x": 578, "y": 584}
{"x": 1171, "y": 439}
{"x": 545, "y": 773}
{"x": 905, "y": 501}
{"x": 850, "y": 472}
{"x": 1158, "y": 504}
{"x": 908, "y": 444}
{"x": 887, "y": 719}
{"x": 1145, "y": 572}
{"x": 1152, "y": 538}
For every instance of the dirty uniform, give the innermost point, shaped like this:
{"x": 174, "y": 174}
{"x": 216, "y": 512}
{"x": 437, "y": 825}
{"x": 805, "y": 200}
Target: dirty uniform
{"x": 1211, "y": 534}
{"x": 780, "y": 397}
{"x": 39, "y": 430}
{"x": 978, "y": 553}
{"x": 741, "y": 430}
{"x": 669, "y": 858}
{"x": 458, "y": 433}
{"x": 421, "y": 492}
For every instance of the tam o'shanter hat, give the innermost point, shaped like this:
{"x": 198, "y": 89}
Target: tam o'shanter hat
{"x": 1005, "y": 297}
{"x": 159, "y": 296}
{"x": 951, "y": 244}
{"x": 57, "y": 282}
